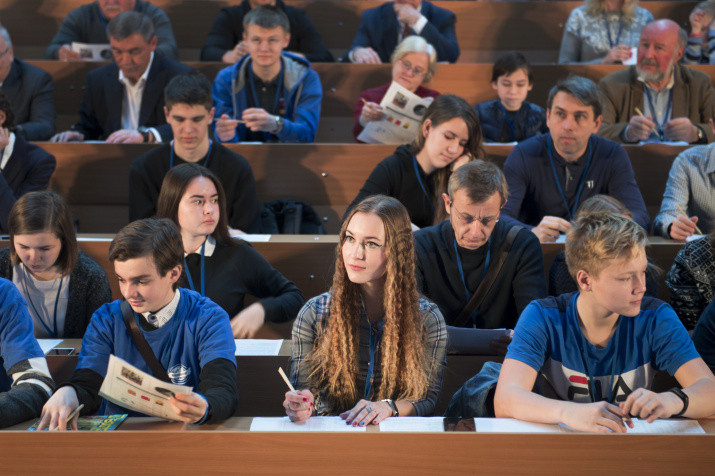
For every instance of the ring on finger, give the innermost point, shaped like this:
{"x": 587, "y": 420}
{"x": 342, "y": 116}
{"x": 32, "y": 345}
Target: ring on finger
{"x": 369, "y": 409}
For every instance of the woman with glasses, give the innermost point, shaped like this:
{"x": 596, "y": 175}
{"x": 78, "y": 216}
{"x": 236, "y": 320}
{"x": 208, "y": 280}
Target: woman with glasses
{"x": 417, "y": 173}
{"x": 414, "y": 62}
{"x": 370, "y": 348}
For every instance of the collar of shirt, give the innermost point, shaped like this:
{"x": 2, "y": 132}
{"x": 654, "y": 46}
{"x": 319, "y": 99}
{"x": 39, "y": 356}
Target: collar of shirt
{"x": 142, "y": 79}
{"x": 208, "y": 249}
{"x": 165, "y": 313}
{"x": 7, "y": 151}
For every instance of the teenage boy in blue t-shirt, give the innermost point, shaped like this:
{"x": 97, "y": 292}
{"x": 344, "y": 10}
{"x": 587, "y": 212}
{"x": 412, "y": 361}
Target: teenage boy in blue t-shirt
{"x": 189, "y": 334}
{"x": 599, "y": 348}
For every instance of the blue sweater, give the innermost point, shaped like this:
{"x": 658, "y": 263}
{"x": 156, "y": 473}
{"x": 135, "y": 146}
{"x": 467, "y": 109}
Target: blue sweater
{"x": 533, "y": 192}
{"x": 530, "y": 121}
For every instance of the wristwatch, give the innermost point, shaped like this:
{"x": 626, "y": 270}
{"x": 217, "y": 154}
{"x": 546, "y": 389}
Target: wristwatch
{"x": 147, "y": 135}
{"x": 701, "y": 134}
{"x": 684, "y": 397}
{"x": 279, "y": 124}
{"x": 390, "y": 402}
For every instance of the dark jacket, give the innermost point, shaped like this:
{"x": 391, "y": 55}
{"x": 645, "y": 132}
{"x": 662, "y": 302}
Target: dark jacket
{"x": 530, "y": 121}
{"x": 101, "y": 111}
{"x": 29, "y": 168}
{"x": 379, "y": 29}
{"x": 227, "y": 32}
{"x": 29, "y": 90}
{"x": 89, "y": 289}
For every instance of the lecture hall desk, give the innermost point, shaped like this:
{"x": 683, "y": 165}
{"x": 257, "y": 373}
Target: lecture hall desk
{"x": 149, "y": 446}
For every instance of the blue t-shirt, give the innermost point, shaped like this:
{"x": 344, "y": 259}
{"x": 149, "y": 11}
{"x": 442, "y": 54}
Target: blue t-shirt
{"x": 548, "y": 338}
{"x": 17, "y": 341}
{"x": 198, "y": 332}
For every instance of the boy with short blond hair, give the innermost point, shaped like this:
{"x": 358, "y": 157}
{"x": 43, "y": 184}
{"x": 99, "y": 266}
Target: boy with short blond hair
{"x": 598, "y": 348}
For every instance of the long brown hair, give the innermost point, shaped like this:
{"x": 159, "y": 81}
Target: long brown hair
{"x": 445, "y": 108}
{"x": 333, "y": 362}
{"x": 173, "y": 188}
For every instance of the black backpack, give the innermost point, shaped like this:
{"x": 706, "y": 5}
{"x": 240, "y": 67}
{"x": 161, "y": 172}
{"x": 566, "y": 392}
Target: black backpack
{"x": 290, "y": 217}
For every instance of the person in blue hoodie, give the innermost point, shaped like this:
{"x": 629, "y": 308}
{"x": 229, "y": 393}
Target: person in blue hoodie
{"x": 510, "y": 117}
{"x": 268, "y": 95}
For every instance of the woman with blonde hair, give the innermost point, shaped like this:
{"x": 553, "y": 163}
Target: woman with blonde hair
{"x": 603, "y": 31}
{"x": 371, "y": 348}
{"x": 414, "y": 63}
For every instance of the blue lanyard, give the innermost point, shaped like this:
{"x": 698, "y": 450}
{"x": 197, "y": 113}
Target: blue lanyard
{"x": 582, "y": 345}
{"x": 374, "y": 339}
{"x": 464, "y": 281}
{"x": 654, "y": 115}
{"x": 608, "y": 31}
{"x": 39, "y": 317}
{"x": 581, "y": 181}
{"x": 188, "y": 273}
{"x": 422, "y": 185}
{"x": 508, "y": 122}
{"x": 206, "y": 159}
{"x": 279, "y": 90}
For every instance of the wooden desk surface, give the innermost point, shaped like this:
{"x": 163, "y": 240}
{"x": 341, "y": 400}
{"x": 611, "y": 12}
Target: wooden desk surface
{"x": 144, "y": 446}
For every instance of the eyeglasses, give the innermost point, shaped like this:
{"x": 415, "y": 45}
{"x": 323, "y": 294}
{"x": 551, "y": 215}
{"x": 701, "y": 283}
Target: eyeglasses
{"x": 7, "y": 50}
{"x": 465, "y": 219}
{"x": 416, "y": 70}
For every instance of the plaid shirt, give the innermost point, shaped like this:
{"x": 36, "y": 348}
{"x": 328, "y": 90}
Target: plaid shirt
{"x": 317, "y": 311}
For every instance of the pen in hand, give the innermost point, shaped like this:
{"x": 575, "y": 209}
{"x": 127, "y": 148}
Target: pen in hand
{"x": 686, "y": 216}
{"x": 285, "y": 379}
{"x": 72, "y": 415}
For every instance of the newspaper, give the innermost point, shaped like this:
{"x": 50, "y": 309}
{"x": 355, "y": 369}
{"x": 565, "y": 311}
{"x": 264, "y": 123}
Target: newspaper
{"x": 403, "y": 112}
{"x": 93, "y": 51}
{"x": 133, "y": 389}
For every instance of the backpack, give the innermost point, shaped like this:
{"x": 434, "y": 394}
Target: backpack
{"x": 290, "y": 216}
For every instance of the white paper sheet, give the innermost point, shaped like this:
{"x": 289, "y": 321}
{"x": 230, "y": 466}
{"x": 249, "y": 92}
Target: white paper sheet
{"x": 561, "y": 238}
{"x": 508, "y": 425}
{"x": 92, "y": 51}
{"x": 413, "y": 424}
{"x": 316, "y": 423}
{"x": 48, "y": 344}
{"x": 693, "y": 237}
{"x": 255, "y": 238}
{"x": 633, "y": 58}
{"x": 258, "y": 346}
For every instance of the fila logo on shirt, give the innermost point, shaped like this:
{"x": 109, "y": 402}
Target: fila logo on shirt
{"x": 179, "y": 374}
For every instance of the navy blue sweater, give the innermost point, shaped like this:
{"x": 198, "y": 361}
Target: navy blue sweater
{"x": 530, "y": 121}
{"x": 533, "y": 192}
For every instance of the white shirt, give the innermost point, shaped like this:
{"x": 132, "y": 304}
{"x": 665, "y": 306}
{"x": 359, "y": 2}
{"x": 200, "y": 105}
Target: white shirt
{"x": 163, "y": 315}
{"x": 7, "y": 151}
{"x": 210, "y": 246}
{"x": 132, "y": 100}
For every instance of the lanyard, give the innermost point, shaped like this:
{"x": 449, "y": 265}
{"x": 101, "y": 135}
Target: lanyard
{"x": 508, "y": 122}
{"x": 422, "y": 185}
{"x": 582, "y": 346}
{"x": 464, "y": 281}
{"x": 171, "y": 157}
{"x": 374, "y": 339}
{"x": 611, "y": 43}
{"x": 279, "y": 90}
{"x": 581, "y": 181}
{"x": 658, "y": 125}
{"x": 188, "y": 273}
{"x": 39, "y": 317}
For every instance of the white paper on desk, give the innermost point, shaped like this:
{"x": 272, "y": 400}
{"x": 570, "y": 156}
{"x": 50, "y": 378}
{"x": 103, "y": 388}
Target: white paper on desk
{"x": 93, "y": 51}
{"x": 316, "y": 423}
{"x": 694, "y": 237}
{"x": 413, "y": 424}
{"x": 561, "y": 238}
{"x": 403, "y": 112}
{"x": 509, "y": 425}
{"x": 129, "y": 387}
{"x": 655, "y": 140}
{"x": 48, "y": 344}
{"x": 254, "y": 238}
{"x": 258, "y": 346}
{"x": 633, "y": 58}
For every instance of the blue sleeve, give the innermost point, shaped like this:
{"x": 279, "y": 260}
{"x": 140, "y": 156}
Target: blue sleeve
{"x": 17, "y": 341}
{"x": 672, "y": 346}
{"x": 304, "y": 124}
{"x": 517, "y": 180}
{"x": 214, "y": 335}
{"x": 223, "y": 96}
{"x": 98, "y": 340}
{"x": 530, "y": 342}
{"x": 622, "y": 186}
{"x": 443, "y": 37}
{"x": 362, "y": 37}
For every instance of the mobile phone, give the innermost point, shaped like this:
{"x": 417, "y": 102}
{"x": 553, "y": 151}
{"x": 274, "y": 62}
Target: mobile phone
{"x": 61, "y": 351}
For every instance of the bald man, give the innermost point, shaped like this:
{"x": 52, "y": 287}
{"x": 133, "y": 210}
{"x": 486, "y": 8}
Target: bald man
{"x": 676, "y": 102}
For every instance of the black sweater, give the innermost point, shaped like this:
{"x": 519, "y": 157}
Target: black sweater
{"x": 148, "y": 170}
{"x": 231, "y": 272}
{"x": 89, "y": 289}
{"x": 227, "y": 31}
{"x": 520, "y": 280}
{"x": 395, "y": 177}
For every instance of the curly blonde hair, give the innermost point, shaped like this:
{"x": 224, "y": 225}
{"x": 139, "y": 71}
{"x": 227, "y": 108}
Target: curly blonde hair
{"x": 333, "y": 362}
{"x": 598, "y": 7}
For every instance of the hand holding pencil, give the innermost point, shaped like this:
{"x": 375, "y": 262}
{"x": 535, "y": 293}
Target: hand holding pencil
{"x": 684, "y": 226}
{"x": 640, "y": 127}
{"x": 299, "y": 404}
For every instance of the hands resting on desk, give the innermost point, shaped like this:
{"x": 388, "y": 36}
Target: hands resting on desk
{"x": 300, "y": 405}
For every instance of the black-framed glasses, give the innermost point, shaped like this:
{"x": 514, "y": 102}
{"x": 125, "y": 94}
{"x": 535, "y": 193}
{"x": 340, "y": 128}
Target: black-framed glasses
{"x": 466, "y": 219}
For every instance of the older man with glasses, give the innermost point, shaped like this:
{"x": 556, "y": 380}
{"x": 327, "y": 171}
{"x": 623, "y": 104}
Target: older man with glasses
{"x": 480, "y": 271}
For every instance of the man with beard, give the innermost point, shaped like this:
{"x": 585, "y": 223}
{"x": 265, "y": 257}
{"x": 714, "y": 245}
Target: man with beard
{"x": 550, "y": 175}
{"x": 658, "y": 99}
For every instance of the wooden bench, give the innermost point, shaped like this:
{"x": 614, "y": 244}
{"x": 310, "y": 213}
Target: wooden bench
{"x": 484, "y": 29}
